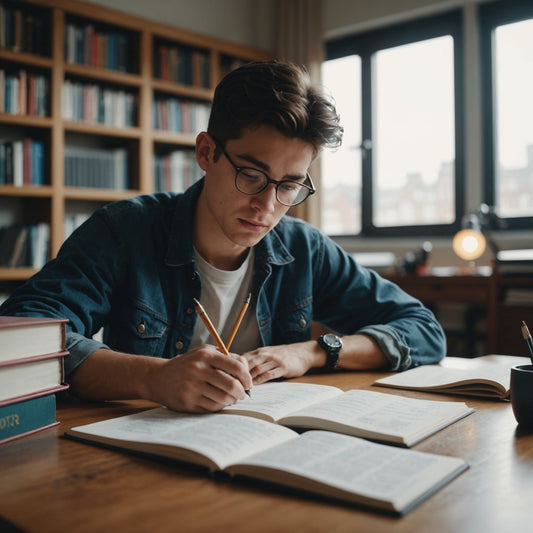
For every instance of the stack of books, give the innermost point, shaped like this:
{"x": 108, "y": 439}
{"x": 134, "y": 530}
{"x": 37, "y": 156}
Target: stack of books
{"x": 31, "y": 372}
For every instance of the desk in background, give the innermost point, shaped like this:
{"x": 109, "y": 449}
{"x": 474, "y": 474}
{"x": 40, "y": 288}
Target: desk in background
{"x": 490, "y": 319}
{"x": 50, "y": 484}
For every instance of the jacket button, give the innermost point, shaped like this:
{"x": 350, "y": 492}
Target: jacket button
{"x": 179, "y": 345}
{"x": 190, "y": 310}
{"x": 303, "y": 322}
{"x": 141, "y": 328}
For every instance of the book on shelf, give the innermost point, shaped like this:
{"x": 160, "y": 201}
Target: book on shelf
{"x": 95, "y": 104}
{"x": 100, "y": 168}
{"x": 24, "y": 245}
{"x": 180, "y": 115}
{"x": 31, "y": 359}
{"x": 25, "y": 417}
{"x": 362, "y": 413}
{"x": 23, "y": 93}
{"x": 176, "y": 171}
{"x": 22, "y": 31}
{"x": 87, "y": 45}
{"x": 484, "y": 377}
{"x": 332, "y": 465}
{"x": 182, "y": 64}
{"x": 21, "y": 162}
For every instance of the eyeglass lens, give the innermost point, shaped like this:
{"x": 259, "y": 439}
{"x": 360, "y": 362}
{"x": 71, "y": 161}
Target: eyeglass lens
{"x": 253, "y": 181}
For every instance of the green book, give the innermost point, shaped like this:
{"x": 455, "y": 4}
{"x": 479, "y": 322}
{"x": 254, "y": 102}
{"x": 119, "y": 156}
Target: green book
{"x": 28, "y": 416}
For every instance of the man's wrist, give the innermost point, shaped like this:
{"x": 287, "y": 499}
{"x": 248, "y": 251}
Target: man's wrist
{"x": 331, "y": 344}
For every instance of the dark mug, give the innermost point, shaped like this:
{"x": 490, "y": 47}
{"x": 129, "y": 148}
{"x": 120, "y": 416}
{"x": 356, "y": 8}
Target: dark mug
{"x": 522, "y": 394}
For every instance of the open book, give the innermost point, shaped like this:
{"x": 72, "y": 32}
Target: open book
{"x": 361, "y": 413}
{"x": 328, "y": 464}
{"x": 487, "y": 376}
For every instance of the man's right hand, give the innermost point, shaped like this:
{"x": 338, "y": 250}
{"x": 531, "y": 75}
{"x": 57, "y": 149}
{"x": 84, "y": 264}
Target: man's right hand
{"x": 201, "y": 380}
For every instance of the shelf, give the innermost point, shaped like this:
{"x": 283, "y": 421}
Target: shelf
{"x": 101, "y": 74}
{"x": 27, "y": 59}
{"x": 101, "y": 195}
{"x": 171, "y": 137}
{"x": 178, "y": 89}
{"x": 102, "y": 129}
{"x": 26, "y": 120}
{"x": 31, "y": 191}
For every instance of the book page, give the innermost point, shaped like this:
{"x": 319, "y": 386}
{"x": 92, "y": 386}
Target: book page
{"x": 221, "y": 439}
{"x": 440, "y": 377}
{"x": 380, "y": 416}
{"x": 353, "y": 469}
{"x": 271, "y": 401}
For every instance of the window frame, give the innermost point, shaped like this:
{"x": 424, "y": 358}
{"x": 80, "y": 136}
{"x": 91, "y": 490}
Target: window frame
{"x": 365, "y": 45}
{"x": 490, "y": 16}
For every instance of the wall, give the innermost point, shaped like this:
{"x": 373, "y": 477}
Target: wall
{"x": 248, "y": 22}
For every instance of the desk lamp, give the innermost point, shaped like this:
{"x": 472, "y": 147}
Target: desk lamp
{"x": 471, "y": 242}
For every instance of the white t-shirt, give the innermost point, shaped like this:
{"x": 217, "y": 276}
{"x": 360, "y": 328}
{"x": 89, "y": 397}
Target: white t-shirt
{"x": 223, "y": 293}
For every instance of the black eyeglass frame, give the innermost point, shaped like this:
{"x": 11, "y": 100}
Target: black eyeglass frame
{"x": 310, "y": 188}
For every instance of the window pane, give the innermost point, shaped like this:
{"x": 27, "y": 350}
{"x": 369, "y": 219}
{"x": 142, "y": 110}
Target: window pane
{"x": 513, "y": 57}
{"x": 340, "y": 192}
{"x": 414, "y": 139}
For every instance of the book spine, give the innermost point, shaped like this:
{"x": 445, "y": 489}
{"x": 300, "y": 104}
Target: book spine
{"x": 26, "y": 417}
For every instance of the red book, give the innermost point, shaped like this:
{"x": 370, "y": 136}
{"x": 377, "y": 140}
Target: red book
{"x": 26, "y": 161}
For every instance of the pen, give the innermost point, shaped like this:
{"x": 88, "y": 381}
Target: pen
{"x": 206, "y": 320}
{"x": 528, "y": 339}
{"x": 239, "y": 320}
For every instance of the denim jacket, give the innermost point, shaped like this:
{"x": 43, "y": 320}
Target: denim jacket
{"x": 130, "y": 269}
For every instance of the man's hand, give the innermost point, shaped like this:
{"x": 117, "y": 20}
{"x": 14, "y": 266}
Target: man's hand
{"x": 283, "y": 361}
{"x": 201, "y": 380}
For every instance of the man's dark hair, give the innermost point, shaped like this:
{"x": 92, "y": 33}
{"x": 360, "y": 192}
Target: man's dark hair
{"x": 277, "y": 94}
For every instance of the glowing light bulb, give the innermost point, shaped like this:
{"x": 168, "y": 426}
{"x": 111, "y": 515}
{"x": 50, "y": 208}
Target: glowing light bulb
{"x": 469, "y": 244}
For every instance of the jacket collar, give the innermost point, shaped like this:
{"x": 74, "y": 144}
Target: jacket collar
{"x": 180, "y": 246}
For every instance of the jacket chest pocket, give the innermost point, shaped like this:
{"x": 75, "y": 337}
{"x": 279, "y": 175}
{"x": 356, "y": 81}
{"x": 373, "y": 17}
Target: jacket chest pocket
{"x": 295, "y": 323}
{"x": 142, "y": 332}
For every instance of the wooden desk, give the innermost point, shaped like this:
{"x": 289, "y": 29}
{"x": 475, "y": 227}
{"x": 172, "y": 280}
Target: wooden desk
{"x": 50, "y": 484}
{"x": 486, "y": 295}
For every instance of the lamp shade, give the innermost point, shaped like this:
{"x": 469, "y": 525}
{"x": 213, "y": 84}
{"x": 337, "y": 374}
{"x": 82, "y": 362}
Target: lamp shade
{"x": 469, "y": 244}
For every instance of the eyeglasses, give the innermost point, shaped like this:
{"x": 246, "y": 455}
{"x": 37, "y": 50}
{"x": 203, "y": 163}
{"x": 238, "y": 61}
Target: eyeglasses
{"x": 253, "y": 181}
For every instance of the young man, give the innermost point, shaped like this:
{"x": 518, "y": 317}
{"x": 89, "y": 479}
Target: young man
{"x": 136, "y": 266}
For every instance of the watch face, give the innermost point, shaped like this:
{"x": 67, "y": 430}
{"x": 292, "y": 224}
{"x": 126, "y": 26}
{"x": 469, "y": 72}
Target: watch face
{"x": 332, "y": 340}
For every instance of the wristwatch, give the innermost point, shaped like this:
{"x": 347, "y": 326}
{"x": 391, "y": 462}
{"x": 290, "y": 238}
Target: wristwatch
{"x": 332, "y": 346}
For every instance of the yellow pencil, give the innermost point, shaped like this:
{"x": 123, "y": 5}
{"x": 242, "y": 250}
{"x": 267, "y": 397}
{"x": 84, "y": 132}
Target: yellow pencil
{"x": 203, "y": 315}
{"x": 209, "y": 325}
{"x": 239, "y": 320}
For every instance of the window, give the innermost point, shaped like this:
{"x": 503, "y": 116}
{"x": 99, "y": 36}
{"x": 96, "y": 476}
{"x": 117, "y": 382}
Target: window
{"x": 507, "y": 80}
{"x": 400, "y": 168}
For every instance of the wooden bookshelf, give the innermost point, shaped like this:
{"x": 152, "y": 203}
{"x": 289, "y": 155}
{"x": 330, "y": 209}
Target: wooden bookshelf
{"x": 115, "y": 52}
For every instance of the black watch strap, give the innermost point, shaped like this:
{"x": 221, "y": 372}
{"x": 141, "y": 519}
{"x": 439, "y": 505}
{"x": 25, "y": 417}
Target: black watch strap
{"x": 332, "y": 345}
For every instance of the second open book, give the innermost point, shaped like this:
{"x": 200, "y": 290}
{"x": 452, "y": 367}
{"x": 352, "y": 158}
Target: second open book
{"x": 362, "y": 413}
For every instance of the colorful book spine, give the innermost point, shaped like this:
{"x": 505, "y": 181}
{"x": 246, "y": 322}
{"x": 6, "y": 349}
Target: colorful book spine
{"x": 26, "y": 417}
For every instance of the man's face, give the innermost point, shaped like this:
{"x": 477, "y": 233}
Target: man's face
{"x": 245, "y": 219}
